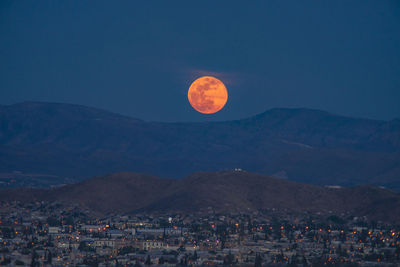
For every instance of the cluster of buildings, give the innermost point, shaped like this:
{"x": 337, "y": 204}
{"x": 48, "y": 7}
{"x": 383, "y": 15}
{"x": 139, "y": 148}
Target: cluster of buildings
{"x": 49, "y": 234}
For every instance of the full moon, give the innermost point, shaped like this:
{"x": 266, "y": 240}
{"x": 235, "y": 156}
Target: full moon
{"x": 207, "y": 95}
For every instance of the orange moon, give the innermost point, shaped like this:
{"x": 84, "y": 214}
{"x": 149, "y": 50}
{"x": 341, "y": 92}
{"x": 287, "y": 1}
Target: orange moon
{"x": 207, "y": 95}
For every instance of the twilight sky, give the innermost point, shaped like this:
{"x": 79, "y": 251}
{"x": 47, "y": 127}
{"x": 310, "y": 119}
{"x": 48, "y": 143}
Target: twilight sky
{"x": 139, "y": 57}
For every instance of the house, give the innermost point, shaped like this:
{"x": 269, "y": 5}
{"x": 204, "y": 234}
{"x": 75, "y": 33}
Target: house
{"x": 54, "y": 230}
{"x": 150, "y": 244}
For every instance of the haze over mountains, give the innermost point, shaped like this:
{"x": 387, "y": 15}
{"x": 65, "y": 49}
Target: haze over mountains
{"x": 303, "y": 145}
{"x": 225, "y": 191}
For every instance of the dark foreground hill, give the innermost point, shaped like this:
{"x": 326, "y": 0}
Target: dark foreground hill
{"x": 128, "y": 193}
{"x": 69, "y": 141}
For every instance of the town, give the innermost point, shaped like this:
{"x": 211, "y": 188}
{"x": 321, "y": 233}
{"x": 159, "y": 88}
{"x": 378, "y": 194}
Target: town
{"x": 50, "y": 234}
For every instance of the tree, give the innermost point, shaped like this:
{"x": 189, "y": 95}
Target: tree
{"x": 181, "y": 249}
{"x": 304, "y": 261}
{"x": 258, "y": 261}
{"x": 49, "y": 258}
{"x": 195, "y": 256}
{"x": 335, "y": 219}
{"x": 33, "y": 261}
{"x": 6, "y": 261}
{"x": 91, "y": 262}
{"x": 8, "y": 233}
{"x": 148, "y": 261}
{"x": 229, "y": 259}
{"x": 82, "y": 245}
{"x": 294, "y": 260}
{"x": 52, "y": 221}
{"x": 18, "y": 262}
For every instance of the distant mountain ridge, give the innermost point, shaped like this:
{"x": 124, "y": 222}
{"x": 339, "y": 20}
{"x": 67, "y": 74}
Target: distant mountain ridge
{"x": 224, "y": 191}
{"x": 307, "y": 145}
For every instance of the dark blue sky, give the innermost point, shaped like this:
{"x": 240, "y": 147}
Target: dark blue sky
{"x": 139, "y": 57}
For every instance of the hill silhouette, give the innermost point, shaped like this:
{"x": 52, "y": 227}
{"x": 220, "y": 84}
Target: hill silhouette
{"x": 224, "y": 191}
{"x": 302, "y": 145}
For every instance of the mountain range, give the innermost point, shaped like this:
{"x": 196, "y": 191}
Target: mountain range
{"x": 223, "y": 191}
{"x": 64, "y": 141}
